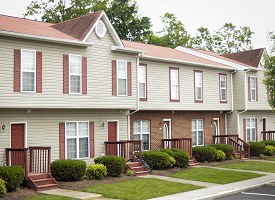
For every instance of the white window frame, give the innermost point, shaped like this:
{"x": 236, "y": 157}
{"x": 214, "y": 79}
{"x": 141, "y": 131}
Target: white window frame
{"x": 29, "y": 71}
{"x": 143, "y": 133}
{"x": 198, "y": 86}
{"x": 253, "y": 98}
{"x": 123, "y": 78}
{"x": 176, "y": 85}
{"x": 140, "y": 81}
{"x": 77, "y": 139}
{"x": 223, "y": 88}
{"x": 251, "y": 127}
{"x": 74, "y": 74}
{"x": 197, "y": 131}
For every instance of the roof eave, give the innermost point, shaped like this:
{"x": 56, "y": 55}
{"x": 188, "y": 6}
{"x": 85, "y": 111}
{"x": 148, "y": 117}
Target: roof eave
{"x": 45, "y": 39}
{"x": 126, "y": 50}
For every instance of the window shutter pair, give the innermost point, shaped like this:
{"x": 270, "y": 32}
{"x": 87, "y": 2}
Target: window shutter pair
{"x": 62, "y": 140}
{"x": 66, "y": 74}
{"x": 114, "y": 78}
{"x": 17, "y": 71}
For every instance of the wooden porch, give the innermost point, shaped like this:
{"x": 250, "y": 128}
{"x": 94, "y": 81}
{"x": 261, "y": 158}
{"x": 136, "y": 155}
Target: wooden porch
{"x": 36, "y": 163}
{"x": 268, "y": 135}
{"x": 241, "y": 148}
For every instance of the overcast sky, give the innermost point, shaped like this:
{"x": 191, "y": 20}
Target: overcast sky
{"x": 256, "y": 14}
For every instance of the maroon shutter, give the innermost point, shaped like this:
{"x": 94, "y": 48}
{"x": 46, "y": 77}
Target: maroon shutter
{"x": 249, "y": 92}
{"x": 38, "y": 72}
{"x": 92, "y": 143}
{"x": 129, "y": 78}
{"x": 17, "y": 72}
{"x": 62, "y": 140}
{"x": 244, "y": 129}
{"x": 256, "y": 127}
{"x": 256, "y": 89}
{"x": 65, "y": 74}
{"x": 114, "y": 78}
{"x": 84, "y": 75}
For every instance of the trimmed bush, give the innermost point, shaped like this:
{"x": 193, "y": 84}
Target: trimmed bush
{"x": 115, "y": 165}
{"x": 269, "y": 142}
{"x": 13, "y": 176}
{"x": 96, "y": 171}
{"x": 220, "y": 155}
{"x": 269, "y": 150}
{"x": 159, "y": 160}
{"x": 3, "y": 189}
{"x": 181, "y": 157}
{"x": 226, "y": 148}
{"x": 204, "y": 153}
{"x": 256, "y": 148}
{"x": 68, "y": 170}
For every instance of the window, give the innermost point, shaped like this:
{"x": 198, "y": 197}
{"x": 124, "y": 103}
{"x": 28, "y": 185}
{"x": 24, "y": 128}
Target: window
{"x": 223, "y": 90}
{"x": 174, "y": 84}
{"x": 197, "y": 132}
{"x": 121, "y": 78}
{"x": 28, "y": 70}
{"x": 77, "y": 140}
{"x": 253, "y": 88}
{"x": 142, "y": 132}
{"x": 142, "y": 82}
{"x": 198, "y": 86}
{"x": 250, "y": 129}
{"x": 75, "y": 70}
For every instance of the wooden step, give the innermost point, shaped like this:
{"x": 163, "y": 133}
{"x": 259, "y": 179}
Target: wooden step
{"x": 193, "y": 162}
{"x": 134, "y": 164}
{"x": 138, "y": 168}
{"x": 142, "y": 173}
{"x": 45, "y": 181}
{"x": 40, "y": 182}
{"x": 46, "y": 187}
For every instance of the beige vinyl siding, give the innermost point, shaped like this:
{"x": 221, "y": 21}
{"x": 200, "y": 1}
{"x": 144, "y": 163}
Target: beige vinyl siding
{"x": 232, "y": 123}
{"x": 158, "y": 88}
{"x": 238, "y": 88}
{"x": 43, "y": 127}
{"x": 99, "y": 76}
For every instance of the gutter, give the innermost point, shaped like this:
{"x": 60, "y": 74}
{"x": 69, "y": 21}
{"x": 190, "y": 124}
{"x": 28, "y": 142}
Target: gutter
{"x": 127, "y": 50}
{"x": 232, "y": 99}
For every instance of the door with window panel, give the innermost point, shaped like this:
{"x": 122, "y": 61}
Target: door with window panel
{"x": 197, "y": 132}
{"x": 142, "y": 132}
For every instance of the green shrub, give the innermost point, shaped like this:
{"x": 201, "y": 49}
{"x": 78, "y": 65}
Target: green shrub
{"x": 181, "y": 157}
{"x": 3, "y": 189}
{"x": 130, "y": 173}
{"x": 13, "y": 176}
{"x": 159, "y": 160}
{"x": 269, "y": 142}
{"x": 261, "y": 156}
{"x": 256, "y": 148}
{"x": 226, "y": 148}
{"x": 96, "y": 171}
{"x": 68, "y": 170}
{"x": 204, "y": 153}
{"x": 220, "y": 155}
{"x": 115, "y": 165}
{"x": 269, "y": 150}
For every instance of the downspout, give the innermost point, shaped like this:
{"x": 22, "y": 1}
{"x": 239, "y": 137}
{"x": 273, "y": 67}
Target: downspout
{"x": 137, "y": 93}
{"x": 232, "y": 99}
{"x": 245, "y": 99}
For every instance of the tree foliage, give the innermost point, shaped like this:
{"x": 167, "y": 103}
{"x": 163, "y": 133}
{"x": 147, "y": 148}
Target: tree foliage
{"x": 123, "y": 14}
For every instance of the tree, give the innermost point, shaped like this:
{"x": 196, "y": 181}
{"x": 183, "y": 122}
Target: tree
{"x": 172, "y": 35}
{"x": 269, "y": 79}
{"x": 122, "y": 14}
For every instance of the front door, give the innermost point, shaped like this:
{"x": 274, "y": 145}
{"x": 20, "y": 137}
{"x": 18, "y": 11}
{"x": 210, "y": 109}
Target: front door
{"x": 264, "y": 124}
{"x": 166, "y": 132}
{"x": 17, "y": 135}
{"x": 112, "y": 137}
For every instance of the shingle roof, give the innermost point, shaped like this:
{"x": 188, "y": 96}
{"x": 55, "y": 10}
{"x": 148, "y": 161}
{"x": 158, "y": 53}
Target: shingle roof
{"x": 250, "y": 57}
{"x": 169, "y": 53}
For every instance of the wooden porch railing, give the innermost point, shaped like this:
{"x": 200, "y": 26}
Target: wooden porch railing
{"x": 37, "y": 161}
{"x": 184, "y": 144}
{"x": 128, "y": 149}
{"x": 268, "y": 135}
{"x": 224, "y": 139}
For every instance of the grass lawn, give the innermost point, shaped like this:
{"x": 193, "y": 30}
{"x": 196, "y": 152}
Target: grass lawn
{"x": 138, "y": 189}
{"x": 214, "y": 175}
{"x": 272, "y": 159}
{"x": 252, "y": 165}
{"x": 49, "y": 197}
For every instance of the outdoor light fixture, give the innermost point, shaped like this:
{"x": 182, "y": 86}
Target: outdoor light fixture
{"x": 160, "y": 125}
{"x": 102, "y": 124}
{"x": 3, "y": 127}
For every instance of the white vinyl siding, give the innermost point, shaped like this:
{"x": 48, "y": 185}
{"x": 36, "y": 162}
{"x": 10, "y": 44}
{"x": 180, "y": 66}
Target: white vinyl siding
{"x": 122, "y": 78}
{"x": 198, "y": 86}
{"x": 75, "y": 71}
{"x": 253, "y": 88}
{"x": 142, "y": 81}
{"x": 77, "y": 140}
{"x": 142, "y": 132}
{"x": 28, "y": 70}
{"x": 174, "y": 84}
{"x": 223, "y": 88}
{"x": 250, "y": 129}
{"x": 197, "y": 132}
